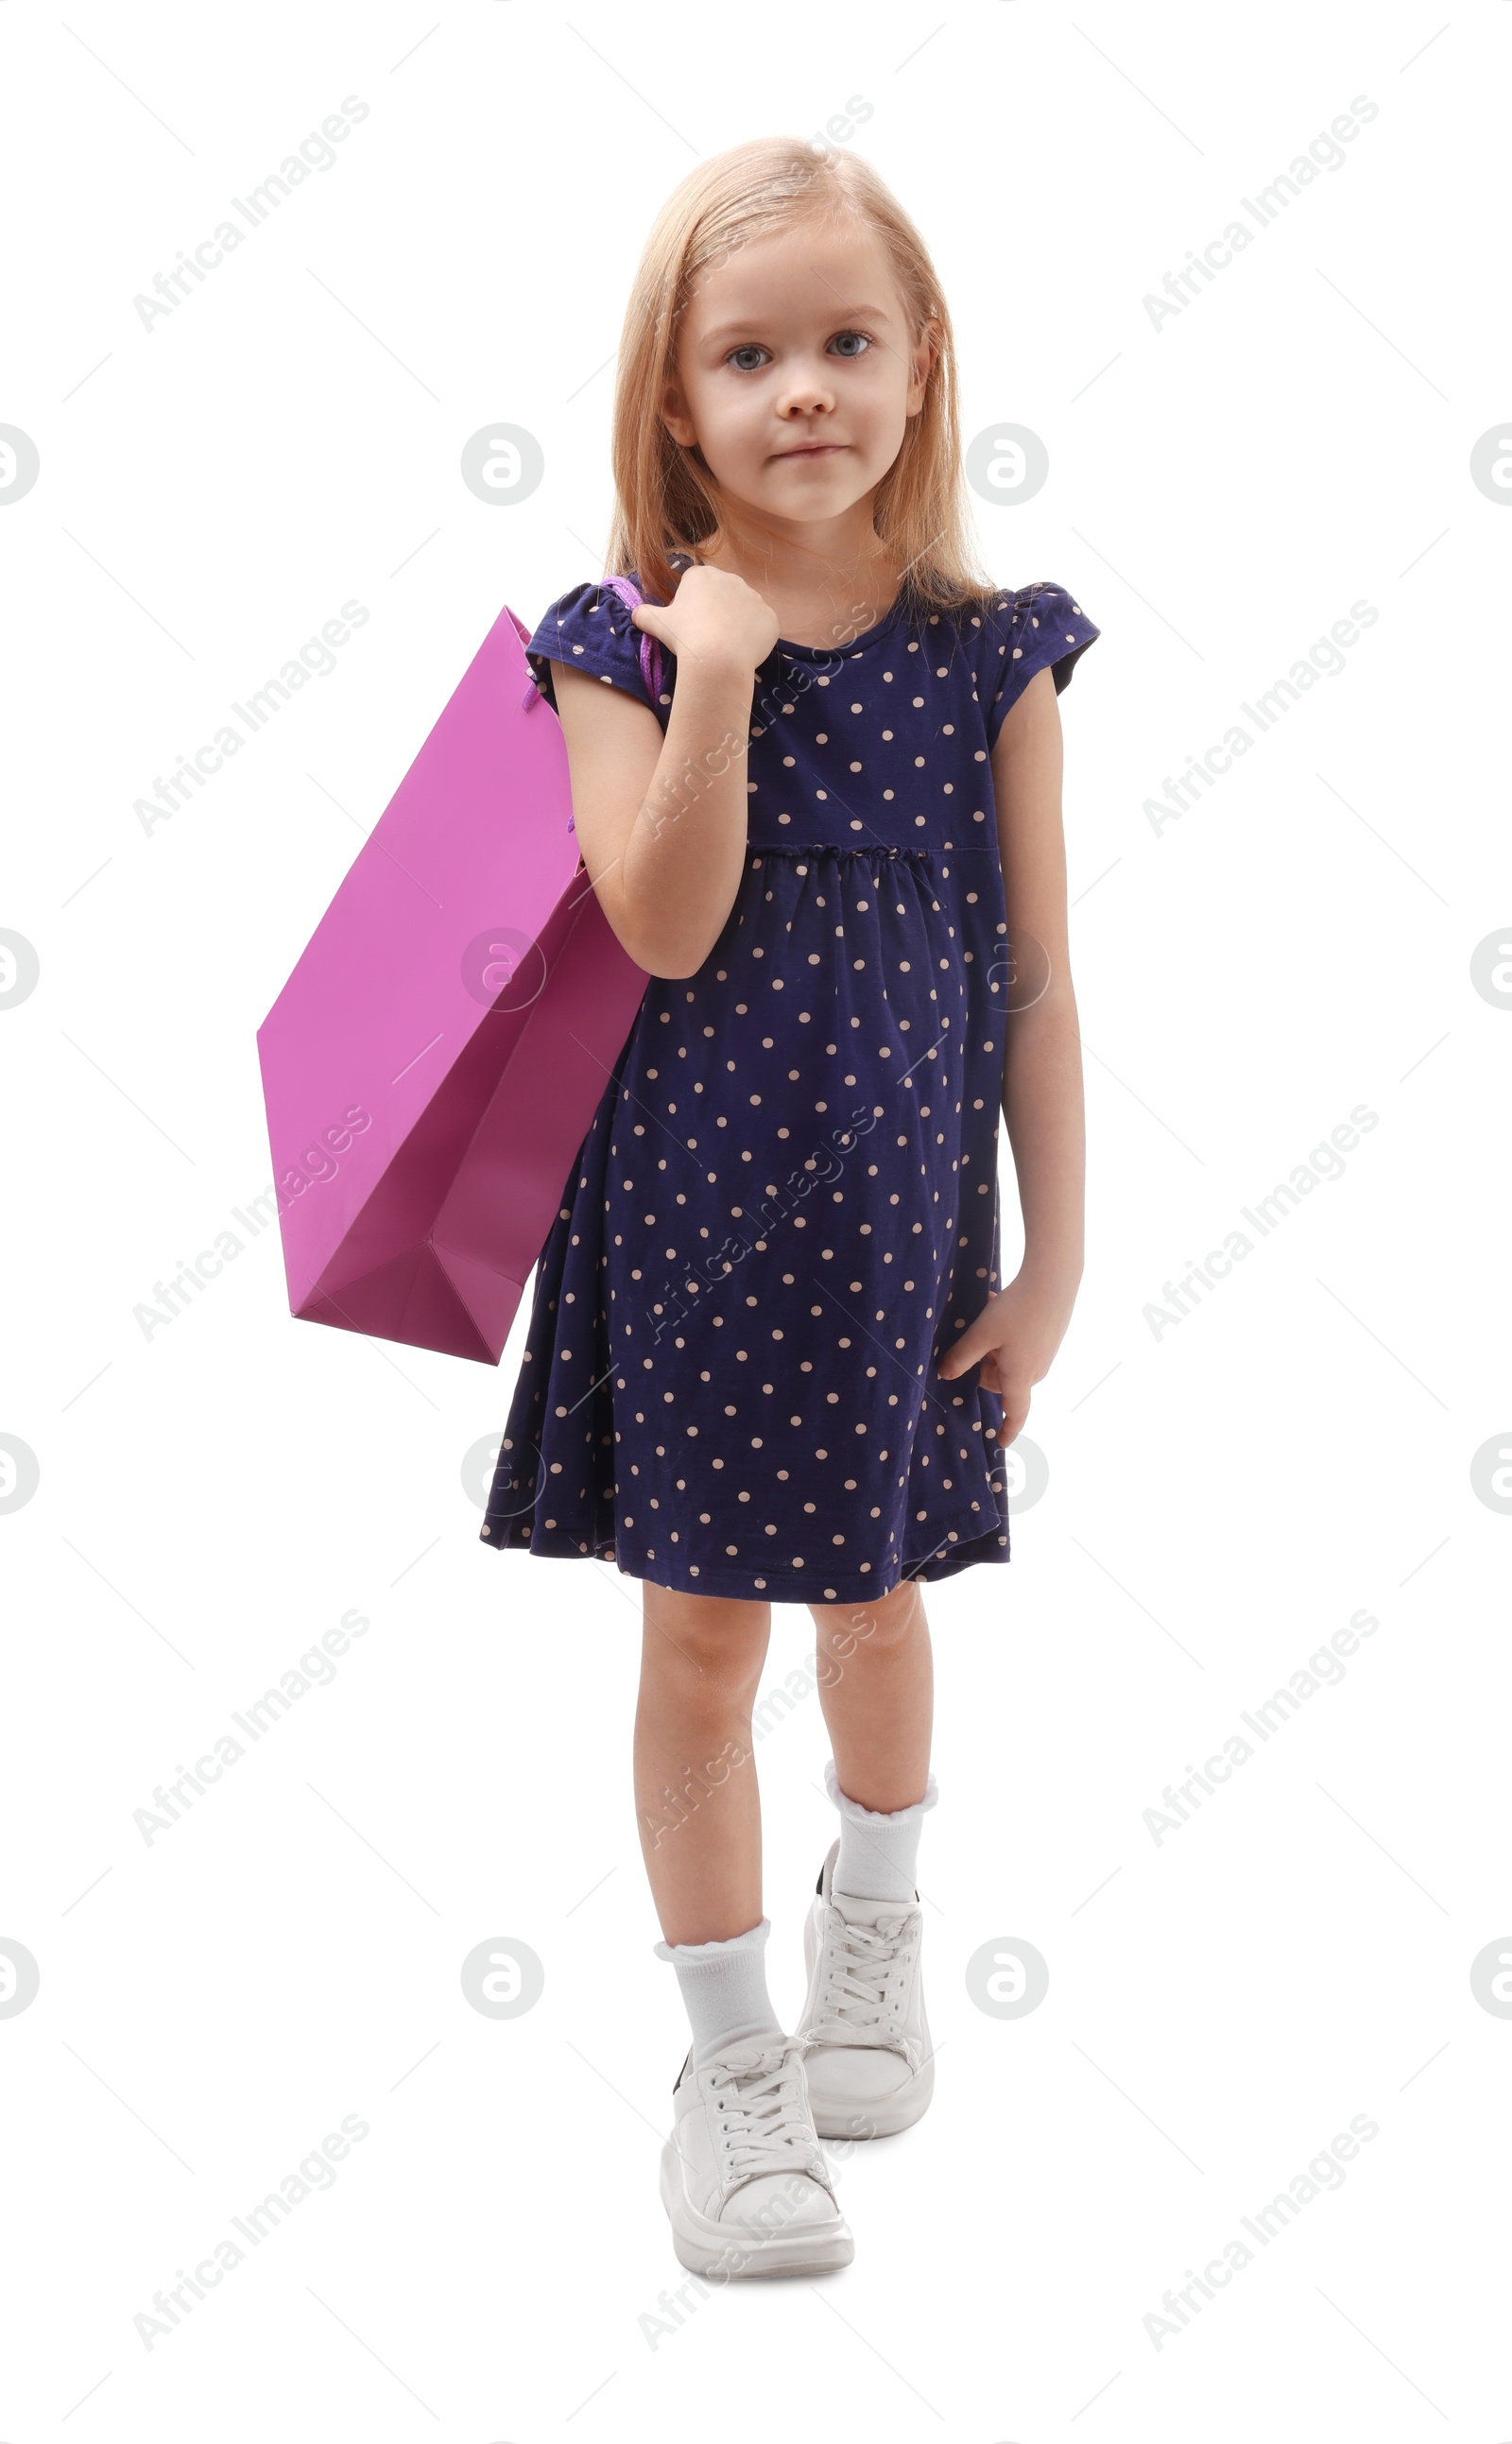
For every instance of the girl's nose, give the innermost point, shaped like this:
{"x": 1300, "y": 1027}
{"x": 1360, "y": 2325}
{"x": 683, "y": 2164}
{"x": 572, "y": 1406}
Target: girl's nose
{"x": 804, "y": 388}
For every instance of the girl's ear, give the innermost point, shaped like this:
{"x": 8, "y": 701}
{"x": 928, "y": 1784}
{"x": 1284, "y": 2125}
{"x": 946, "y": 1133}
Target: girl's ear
{"x": 676, "y": 418}
{"x": 925, "y": 349}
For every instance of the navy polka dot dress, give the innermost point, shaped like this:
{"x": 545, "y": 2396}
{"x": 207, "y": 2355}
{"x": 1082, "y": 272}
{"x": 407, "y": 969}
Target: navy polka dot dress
{"x": 786, "y": 1205}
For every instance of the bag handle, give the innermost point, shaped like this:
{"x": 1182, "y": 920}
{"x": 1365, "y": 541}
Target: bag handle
{"x": 650, "y": 665}
{"x": 650, "y": 661}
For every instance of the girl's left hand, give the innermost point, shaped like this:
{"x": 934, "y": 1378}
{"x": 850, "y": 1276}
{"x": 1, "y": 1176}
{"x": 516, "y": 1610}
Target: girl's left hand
{"x": 1015, "y": 1338}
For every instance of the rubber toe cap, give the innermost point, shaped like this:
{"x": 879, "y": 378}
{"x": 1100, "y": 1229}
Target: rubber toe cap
{"x": 780, "y": 2201}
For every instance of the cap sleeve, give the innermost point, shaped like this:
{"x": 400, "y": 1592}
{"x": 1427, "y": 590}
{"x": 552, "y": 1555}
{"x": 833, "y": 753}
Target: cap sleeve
{"x": 1039, "y": 627}
{"x": 589, "y": 628}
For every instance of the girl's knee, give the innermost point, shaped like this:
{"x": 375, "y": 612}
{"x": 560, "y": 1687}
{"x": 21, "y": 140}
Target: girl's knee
{"x": 705, "y": 1641}
{"x": 875, "y": 1626}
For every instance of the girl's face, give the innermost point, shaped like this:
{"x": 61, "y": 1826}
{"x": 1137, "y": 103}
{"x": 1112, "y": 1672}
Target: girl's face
{"x": 796, "y": 375}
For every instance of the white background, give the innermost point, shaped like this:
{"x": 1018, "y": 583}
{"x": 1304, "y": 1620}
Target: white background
{"x": 1220, "y": 1498}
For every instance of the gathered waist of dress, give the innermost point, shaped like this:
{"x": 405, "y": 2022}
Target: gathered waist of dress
{"x": 866, "y": 848}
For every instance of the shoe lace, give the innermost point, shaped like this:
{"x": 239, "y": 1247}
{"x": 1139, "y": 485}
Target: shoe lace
{"x": 865, "y": 1985}
{"x": 766, "y": 2125}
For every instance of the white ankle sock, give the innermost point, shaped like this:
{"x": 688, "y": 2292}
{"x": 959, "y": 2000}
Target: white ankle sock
{"x": 878, "y": 1856}
{"x": 724, "y": 1987}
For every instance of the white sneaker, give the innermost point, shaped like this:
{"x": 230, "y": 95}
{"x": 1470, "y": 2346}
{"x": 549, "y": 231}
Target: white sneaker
{"x": 744, "y": 2180}
{"x": 866, "y": 2041}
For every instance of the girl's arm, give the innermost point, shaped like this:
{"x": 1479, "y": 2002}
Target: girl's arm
{"x": 1018, "y": 1333}
{"x": 1041, "y": 1069}
{"x": 662, "y": 822}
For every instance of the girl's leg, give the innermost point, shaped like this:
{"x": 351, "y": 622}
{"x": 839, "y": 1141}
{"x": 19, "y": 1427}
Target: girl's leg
{"x": 868, "y": 2056}
{"x": 695, "y": 1773}
{"x": 742, "y": 2178}
{"x": 876, "y": 1687}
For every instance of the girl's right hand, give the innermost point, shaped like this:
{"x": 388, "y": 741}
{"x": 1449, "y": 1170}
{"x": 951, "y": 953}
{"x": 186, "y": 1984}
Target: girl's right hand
{"x": 714, "y": 619}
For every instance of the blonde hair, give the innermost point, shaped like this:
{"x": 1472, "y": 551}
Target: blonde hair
{"x": 666, "y": 497}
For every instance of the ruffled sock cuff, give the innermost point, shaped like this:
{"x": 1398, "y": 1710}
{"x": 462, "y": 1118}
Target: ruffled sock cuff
{"x": 864, "y": 1816}
{"x": 754, "y": 1939}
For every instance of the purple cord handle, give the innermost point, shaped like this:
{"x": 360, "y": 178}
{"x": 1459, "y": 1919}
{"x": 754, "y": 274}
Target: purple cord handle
{"x": 650, "y": 670}
{"x": 650, "y": 665}
{"x": 650, "y": 662}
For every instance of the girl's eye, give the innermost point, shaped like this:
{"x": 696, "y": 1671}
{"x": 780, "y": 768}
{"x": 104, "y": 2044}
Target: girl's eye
{"x": 753, "y": 348}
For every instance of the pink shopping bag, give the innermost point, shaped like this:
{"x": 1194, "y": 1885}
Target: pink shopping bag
{"x": 432, "y": 1066}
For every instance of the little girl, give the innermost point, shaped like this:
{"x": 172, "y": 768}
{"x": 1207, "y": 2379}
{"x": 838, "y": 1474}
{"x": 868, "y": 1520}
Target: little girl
{"x": 769, "y": 1355}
